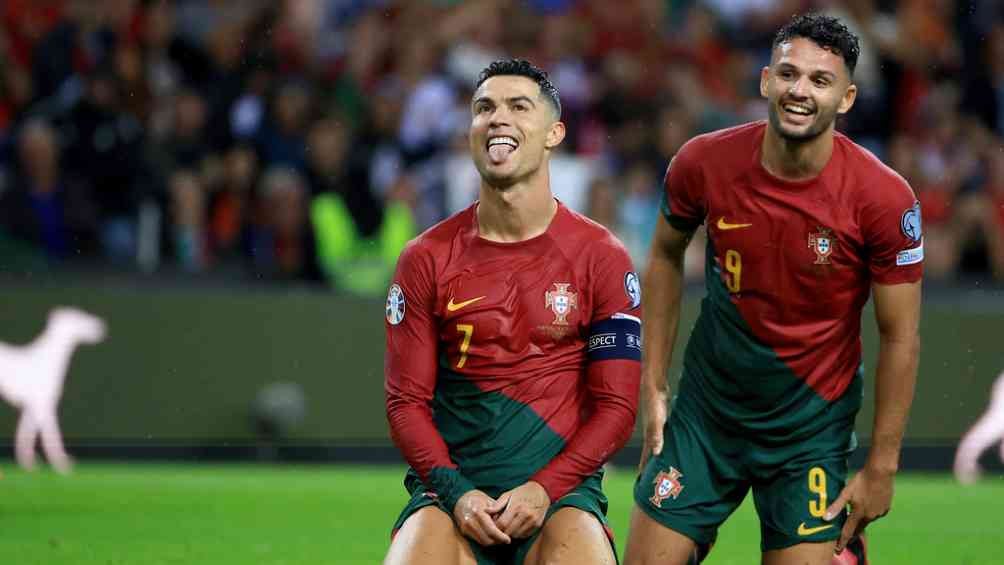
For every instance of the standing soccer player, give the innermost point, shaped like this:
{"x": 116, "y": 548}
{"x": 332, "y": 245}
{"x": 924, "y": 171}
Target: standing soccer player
{"x": 801, "y": 223}
{"x": 513, "y": 354}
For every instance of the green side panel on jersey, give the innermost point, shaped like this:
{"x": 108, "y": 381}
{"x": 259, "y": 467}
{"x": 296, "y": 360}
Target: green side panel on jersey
{"x": 497, "y": 442}
{"x": 735, "y": 377}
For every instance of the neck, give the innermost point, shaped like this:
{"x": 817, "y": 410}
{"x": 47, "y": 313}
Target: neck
{"x": 795, "y": 159}
{"x": 516, "y": 213}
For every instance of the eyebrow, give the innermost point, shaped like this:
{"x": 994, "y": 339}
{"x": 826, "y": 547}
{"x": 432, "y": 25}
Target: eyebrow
{"x": 828, "y": 74}
{"x": 510, "y": 100}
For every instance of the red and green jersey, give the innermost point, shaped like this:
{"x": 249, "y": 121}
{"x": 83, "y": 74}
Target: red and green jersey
{"x": 488, "y": 379}
{"x": 789, "y": 268}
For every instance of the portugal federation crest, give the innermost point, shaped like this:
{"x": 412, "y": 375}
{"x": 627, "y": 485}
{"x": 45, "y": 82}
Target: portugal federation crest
{"x": 667, "y": 484}
{"x": 561, "y": 302}
{"x": 823, "y": 243}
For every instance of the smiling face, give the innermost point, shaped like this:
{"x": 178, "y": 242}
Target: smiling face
{"x": 806, "y": 87}
{"x": 513, "y": 129}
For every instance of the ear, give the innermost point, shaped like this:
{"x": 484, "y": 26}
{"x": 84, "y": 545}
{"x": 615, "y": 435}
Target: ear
{"x": 764, "y": 75}
{"x": 850, "y": 95}
{"x": 555, "y": 135}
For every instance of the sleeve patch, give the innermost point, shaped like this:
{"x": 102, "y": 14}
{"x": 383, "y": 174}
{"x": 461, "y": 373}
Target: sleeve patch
{"x": 395, "y": 305}
{"x": 910, "y": 256}
{"x": 911, "y": 226}
{"x": 633, "y": 289}
{"x": 618, "y": 337}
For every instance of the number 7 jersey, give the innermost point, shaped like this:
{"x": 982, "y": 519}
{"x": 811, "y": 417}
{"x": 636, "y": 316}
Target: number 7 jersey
{"x": 789, "y": 267}
{"x": 488, "y": 369}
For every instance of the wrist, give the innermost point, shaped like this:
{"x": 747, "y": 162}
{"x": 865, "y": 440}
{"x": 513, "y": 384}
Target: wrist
{"x": 882, "y": 466}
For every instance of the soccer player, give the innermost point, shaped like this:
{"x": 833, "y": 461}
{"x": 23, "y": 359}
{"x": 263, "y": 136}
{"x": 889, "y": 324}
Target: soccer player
{"x": 513, "y": 354}
{"x": 802, "y": 224}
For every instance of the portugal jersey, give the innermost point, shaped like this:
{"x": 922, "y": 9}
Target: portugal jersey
{"x": 776, "y": 349}
{"x": 488, "y": 352}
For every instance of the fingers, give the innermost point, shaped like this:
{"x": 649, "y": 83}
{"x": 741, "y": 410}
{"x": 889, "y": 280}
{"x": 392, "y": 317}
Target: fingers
{"x": 656, "y": 440}
{"x": 851, "y": 529}
{"x": 500, "y": 504}
{"x": 839, "y": 504}
{"x": 480, "y": 527}
{"x": 644, "y": 456}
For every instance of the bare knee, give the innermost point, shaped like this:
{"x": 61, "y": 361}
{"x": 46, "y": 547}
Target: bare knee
{"x": 571, "y": 536}
{"x": 429, "y": 537}
{"x": 651, "y": 543}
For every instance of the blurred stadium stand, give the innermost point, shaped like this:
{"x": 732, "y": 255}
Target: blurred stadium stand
{"x": 183, "y": 149}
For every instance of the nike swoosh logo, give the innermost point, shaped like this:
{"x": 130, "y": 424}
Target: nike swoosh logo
{"x": 803, "y": 531}
{"x": 451, "y": 307}
{"x": 723, "y": 225}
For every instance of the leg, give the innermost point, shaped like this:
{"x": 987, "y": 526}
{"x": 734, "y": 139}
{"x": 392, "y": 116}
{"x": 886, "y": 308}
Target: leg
{"x": 428, "y": 537}
{"x": 686, "y": 492}
{"x": 571, "y": 536}
{"x": 650, "y": 542}
{"x": 802, "y": 554}
{"x": 52, "y": 443}
{"x": 24, "y": 440}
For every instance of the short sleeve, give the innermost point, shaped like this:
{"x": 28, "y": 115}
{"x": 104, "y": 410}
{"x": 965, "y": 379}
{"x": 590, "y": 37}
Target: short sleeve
{"x": 892, "y": 227}
{"x": 683, "y": 198}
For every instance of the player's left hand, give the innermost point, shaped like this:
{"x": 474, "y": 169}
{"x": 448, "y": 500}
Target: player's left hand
{"x": 869, "y": 494}
{"x": 522, "y": 509}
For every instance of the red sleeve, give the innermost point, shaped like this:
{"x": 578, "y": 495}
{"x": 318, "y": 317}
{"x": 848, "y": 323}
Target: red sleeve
{"x": 891, "y": 223}
{"x": 410, "y": 375}
{"x": 683, "y": 202}
{"x": 612, "y": 384}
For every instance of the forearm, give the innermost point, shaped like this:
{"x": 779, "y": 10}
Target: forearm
{"x": 422, "y": 446}
{"x": 895, "y": 379}
{"x": 663, "y": 289}
{"x": 614, "y": 388}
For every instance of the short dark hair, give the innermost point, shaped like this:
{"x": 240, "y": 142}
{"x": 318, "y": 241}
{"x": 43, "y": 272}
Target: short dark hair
{"x": 825, "y": 31}
{"x": 523, "y": 68}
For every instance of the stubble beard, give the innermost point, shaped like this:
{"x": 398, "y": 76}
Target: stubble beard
{"x": 819, "y": 125}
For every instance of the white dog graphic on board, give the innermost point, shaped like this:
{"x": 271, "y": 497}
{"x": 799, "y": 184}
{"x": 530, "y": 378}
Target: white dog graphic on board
{"x": 31, "y": 379}
{"x": 986, "y": 432}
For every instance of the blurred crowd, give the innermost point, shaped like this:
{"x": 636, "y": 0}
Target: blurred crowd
{"x": 308, "y": 140}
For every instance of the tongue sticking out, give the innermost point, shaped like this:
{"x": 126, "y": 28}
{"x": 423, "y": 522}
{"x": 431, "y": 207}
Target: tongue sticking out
{"x": 500, "y": 152}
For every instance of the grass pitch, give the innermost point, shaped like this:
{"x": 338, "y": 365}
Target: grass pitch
{"x": 147, "y": 514}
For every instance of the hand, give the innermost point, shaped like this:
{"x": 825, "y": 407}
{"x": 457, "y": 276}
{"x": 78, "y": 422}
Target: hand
{"x": 473, "y": 516}
{"x": 655, "y": 419}
{"x": 523, "y": 509}
{"x": 869, "y": 493}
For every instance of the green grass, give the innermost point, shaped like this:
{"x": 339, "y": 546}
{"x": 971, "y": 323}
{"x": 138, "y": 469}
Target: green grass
{"x": 256, "y": 514}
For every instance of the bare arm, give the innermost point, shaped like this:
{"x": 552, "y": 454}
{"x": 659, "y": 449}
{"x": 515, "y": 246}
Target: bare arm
{"x": 663, "y": 289}
{"x": 897, "y": 313}
{"x": 869, "y": 493}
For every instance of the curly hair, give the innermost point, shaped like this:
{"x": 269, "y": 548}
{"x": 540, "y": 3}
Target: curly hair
{"x": 825, "y": 31}
{"x": 523, "y": 68}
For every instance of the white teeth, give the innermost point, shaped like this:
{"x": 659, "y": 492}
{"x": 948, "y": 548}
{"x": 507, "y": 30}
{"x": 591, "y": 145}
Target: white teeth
{"x": 502, "y": 140}
{"x": 797, "y": 109}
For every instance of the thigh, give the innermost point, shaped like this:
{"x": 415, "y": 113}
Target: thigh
{"x": 651, "y": 543}
{"x": 801, "y": 554}
{"x": 694, "y": 484}
{"x": 792, "y": 504}
{"x": 428, "y": 536}
{"x": 571, "y": 536}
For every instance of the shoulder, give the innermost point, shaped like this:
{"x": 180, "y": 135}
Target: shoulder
{"x": 584, "y": 236}
{"x": 437, "y": 240}
{"x": 874, "y": 181}
{"x": 732, "y": 143}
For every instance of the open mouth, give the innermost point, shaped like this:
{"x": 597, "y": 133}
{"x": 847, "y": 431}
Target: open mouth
{"x": 500, "y": 147}
{"x": 797, "y": 112}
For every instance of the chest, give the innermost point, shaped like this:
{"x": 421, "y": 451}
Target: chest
{"x": 506, "y": 307}
{"x": 790, "y": 245}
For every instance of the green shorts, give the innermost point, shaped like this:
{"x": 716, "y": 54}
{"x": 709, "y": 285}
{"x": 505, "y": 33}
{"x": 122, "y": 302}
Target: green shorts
{"x": 705, "y": 471}
{"x": 587, "y": 497}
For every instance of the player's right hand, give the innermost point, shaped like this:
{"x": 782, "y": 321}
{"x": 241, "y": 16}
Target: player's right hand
{"x": 474, "y": 521}
{"x": 654, "y": 406}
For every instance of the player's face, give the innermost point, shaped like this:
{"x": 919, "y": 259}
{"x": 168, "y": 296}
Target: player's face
{"x": 806, "y": 87}
{"x": 513, "y": 127}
